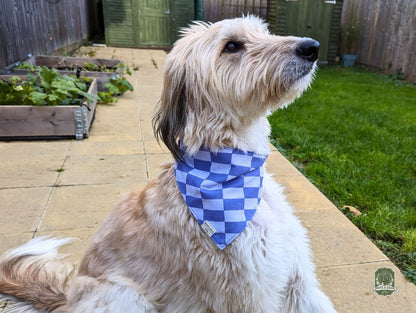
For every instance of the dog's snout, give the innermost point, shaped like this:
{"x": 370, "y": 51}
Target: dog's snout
{"x": 308, "y": 49}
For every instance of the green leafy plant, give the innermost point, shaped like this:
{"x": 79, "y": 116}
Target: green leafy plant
{"x": 45, "y": 87}
{"x": 92, "y": 67}
{"x": 92, "y": 53}
{"x": 27, "y": 66}
{"x": 120, "y": 68}
{"x": 117, "y": 86}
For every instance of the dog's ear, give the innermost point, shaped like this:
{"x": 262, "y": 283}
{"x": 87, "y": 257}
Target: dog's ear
{"x": 170, "y": 118}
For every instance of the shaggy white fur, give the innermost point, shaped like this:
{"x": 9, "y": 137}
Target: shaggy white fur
{"x": 151, "y": 255}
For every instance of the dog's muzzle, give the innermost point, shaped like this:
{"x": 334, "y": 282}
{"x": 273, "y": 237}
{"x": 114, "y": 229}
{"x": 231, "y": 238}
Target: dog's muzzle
{"x": 308, "y": 49}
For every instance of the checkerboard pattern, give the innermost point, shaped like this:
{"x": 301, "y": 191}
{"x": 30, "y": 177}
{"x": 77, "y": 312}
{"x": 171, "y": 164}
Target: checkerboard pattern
{"x": 222, "y": 189}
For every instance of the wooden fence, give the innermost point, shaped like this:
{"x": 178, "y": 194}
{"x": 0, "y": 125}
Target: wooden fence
{"x": 40, "y": 26}
{"x": 215, "y": 10}
{"x": 388, "y": 38}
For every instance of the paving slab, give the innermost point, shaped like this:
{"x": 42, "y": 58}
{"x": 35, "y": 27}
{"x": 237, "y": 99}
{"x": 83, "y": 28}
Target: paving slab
{"x": 351, "y": 289}
{"x": 113, "y": 124}
{"x": 103, "y": 169}
{"x": 83, "y": 206}
{"x": 337, "y": 241}
{"x": 11, "y": 240}
{"x": 31, "y": 164}
{"x": 21, "y": 209}
{"x": 107, "y": 147}
{"x": 155, "y": 161}
{"x": 280, "y": 166}
{"x": 153, "y": 147}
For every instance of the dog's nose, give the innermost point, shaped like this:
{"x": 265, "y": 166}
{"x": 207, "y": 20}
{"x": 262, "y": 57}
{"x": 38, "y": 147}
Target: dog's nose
{"x": 308, "y": 49}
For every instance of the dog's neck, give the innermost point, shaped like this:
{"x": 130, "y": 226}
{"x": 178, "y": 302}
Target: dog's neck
{"x": 256, "y": 136}
{"x": 253, "y": 137}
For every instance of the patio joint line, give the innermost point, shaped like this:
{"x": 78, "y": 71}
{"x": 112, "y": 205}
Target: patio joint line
{"x": 354, "y": 263}
{"x": 52, "y": 192}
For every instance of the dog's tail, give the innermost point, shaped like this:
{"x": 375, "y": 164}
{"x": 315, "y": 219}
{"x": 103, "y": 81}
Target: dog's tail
{"x": 35, "y": 274}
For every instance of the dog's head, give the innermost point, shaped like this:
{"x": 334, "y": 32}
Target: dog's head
{"x": 221, "y": 77}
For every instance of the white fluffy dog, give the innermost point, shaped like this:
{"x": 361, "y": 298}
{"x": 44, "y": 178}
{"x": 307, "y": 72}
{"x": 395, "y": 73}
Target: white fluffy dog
{"x": 226, "y": 240}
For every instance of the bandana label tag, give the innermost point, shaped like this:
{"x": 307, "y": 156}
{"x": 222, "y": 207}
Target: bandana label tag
{"x": 208, "y": 228}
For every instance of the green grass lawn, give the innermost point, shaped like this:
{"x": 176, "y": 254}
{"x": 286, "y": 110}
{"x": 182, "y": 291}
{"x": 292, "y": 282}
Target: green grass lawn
{"x": 353, "y": 134}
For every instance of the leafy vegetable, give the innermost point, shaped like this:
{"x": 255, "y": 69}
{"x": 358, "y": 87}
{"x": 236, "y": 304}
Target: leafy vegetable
{"x": 117, "y": 85}
{"x": 45, "y": 86}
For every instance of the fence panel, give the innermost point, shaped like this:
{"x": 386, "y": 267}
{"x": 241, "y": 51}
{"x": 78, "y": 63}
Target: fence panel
{"x": 215, "y": 10}
{"x": 388, "y": 40}
{"x": 40, "y": 26}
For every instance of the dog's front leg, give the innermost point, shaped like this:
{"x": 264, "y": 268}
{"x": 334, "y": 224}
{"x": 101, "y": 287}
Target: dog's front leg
{"x": 302, "y": 290}
{"x": 305, "y": 296}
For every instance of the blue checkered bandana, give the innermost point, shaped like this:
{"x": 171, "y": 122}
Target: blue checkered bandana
{"x": 222, "y": 189}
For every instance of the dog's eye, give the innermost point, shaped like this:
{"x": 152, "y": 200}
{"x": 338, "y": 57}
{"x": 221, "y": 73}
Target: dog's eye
{"x": 233, "y": 47}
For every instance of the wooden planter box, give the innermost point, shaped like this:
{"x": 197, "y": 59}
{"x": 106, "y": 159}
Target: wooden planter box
{"x": 18, "y": 122}
{"x": 61, "y": 63}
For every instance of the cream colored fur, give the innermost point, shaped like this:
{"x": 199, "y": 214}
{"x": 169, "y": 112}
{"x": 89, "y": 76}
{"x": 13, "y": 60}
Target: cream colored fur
{"x": 151, "y": 255}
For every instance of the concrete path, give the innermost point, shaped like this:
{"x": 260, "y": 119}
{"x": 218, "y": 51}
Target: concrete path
{"x": 67, "y": 188}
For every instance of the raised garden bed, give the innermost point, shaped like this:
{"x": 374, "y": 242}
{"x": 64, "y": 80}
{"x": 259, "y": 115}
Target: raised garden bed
{"x": 100, "y": 69}
{"x": 20, "y": 122}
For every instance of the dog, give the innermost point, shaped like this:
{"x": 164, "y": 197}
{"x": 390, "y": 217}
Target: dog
{"x": 156, "y": 252}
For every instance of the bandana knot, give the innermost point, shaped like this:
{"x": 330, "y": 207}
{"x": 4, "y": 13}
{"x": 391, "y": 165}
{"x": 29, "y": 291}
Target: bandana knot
{"x": 222, "y": 190}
